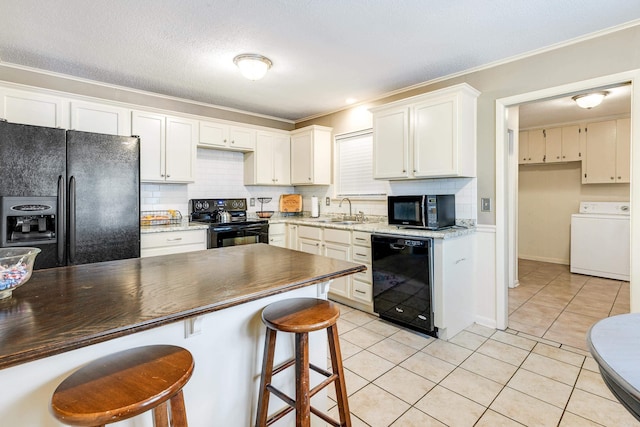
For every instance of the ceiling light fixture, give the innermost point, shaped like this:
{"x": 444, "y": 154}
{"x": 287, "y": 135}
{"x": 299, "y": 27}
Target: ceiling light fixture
{"x": 590, "y": 100}
{"x": 252, "y": 66}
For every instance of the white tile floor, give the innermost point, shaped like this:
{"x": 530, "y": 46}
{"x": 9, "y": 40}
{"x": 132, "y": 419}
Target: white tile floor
{"x": 481, "y": 377}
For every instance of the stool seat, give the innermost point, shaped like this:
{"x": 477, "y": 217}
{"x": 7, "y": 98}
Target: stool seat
{"x": 300, "y": 315}
{"x": 123, "y": 385}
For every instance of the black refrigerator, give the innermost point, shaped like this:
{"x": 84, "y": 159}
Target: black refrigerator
{"x": 75, "y": 195}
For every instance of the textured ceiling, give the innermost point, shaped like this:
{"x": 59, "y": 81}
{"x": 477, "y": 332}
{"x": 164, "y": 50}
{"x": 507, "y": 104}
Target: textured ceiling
{"x": 323, "y": 51}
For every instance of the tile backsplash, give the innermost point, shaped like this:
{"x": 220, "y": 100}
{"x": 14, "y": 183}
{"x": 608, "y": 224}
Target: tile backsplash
{"x": 220, "y": 174}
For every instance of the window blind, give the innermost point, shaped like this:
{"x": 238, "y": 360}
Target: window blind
{"x": 354, "y": 171}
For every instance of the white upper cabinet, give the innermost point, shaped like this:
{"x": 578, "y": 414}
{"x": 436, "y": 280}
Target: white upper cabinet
{"x": 426, "y": 136}
{"x": 100, "y": 118}
{"x": 270, "y": 163}
{"x": 226, "y": 137}
{"x": 31, "y": 108}
{"x": 607, "y": 152}
{"x": 391, "y": 143}
{"x": 167, "y": 147}
{"x": 311, "y": 156}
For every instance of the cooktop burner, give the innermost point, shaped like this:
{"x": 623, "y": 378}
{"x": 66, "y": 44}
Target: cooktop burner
{"x": 208, "y": 210}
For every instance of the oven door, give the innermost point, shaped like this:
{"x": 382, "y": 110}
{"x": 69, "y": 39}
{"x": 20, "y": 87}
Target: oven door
{"x": 220, "y": 237}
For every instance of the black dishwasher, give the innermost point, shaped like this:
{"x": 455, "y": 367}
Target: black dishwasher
{"x": 402, "y": 280}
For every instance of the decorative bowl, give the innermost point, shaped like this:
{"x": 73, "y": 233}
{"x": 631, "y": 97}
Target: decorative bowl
{"x": 264, "y": 214}
{"x": 16, "y": 266}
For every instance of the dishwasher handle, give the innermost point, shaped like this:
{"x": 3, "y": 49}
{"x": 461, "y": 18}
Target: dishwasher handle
{"x": 397, "y": 247}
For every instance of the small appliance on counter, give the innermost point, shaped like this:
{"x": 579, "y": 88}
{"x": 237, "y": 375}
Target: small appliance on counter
{"x": 228, "y": 222}
{"x": 430, "y": 212}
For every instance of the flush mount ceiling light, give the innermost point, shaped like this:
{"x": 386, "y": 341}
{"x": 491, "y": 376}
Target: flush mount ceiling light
{"x": 590, "y": 100}
{"x": 252, "y": 66}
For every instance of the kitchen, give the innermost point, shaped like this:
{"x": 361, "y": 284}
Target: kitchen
{"x": 496, "y": 82}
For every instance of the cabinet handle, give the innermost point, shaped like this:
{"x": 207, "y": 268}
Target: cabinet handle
{"x": 557, "y": 157}
{"x": 233, "y": 141}
{"x": 404, "y": 170}
{"x": 168, "y": 176}
{"x": 564, "y": 157}
{"x": 361, "y": 254}
{"x": 399, "y": 310}
{"x": 309, "y": 178}
{"x": 360, "y": 292}
{"x": 224, "y": 140}
{"x": 175, "y": 239}
{"x": 619, "y": 177}
{"x": 612, "y": 178}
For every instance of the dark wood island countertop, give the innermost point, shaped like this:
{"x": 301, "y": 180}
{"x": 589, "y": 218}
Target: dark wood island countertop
{"x": 61, "y": 309}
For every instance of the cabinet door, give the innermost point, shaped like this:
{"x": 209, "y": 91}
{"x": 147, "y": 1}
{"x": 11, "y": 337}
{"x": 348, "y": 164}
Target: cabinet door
{"x": 98, "y": 118}
{"x": 242, "y": 139}
{"x": 292, "y": 236}
{"x": 150, "y": 128}
{"x": 35, "y": 109}
{"x": 523, "y": 146}
{"x": 342, "y": 285}
{"x": 623, "y": 150}
{"x": 301, "y": 158}
{"x": 536, "y": 146}
{"x": 435, "y": 149}
{"x": 571, "y": 150}
{"x": 600, "y": 163}
{"x": 553, "y": 145}
{"x": 281, "y": 151}
{"x": 391, "y": 144}
{"x": 213, "y": 134}
{"x": 181, "y": 149}
{"x": 263, "y": 158}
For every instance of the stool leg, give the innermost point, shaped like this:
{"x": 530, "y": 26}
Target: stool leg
{"x": 161, "y": 415}
{"x": 303, "y": 402}
{"x": 336, "y": 366}
{"x": 178, "y": 411}
{"x": 265, "y": 379}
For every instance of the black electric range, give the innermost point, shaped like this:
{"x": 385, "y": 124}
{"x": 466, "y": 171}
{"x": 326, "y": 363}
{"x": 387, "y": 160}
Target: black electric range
{"x": 236, "y": 230}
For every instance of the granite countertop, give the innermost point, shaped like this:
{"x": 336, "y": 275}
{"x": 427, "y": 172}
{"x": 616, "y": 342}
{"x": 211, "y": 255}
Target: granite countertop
{"x": 185, "y": 225}
{"x": 461, "y": 229}
{"x": 61, "y": 309}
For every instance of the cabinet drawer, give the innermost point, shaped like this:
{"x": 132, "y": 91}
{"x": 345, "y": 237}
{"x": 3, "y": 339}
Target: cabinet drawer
{"x": 362, "y": 254}
{"x": 364, "y": 276}
{"x": 360, "y": 238}
{"x": 361, "y": 291}
{"x": 173, "y": 238}
{"x": 337, "y": 236}
{"x": 306, "y": 232}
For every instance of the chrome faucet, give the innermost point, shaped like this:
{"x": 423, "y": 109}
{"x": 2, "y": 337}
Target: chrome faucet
{"x": 347, "y": 199}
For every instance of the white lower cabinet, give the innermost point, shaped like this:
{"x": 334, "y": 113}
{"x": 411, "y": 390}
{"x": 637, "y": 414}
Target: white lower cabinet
{"x": 331, "y": 243}
{"x": 278, "y": 235}
{"x": 172, "y": 242}
{"x": 362, "y": 283}
{"x": 453, "y": 292}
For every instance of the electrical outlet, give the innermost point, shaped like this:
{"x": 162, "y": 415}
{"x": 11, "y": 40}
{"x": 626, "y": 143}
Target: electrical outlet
{"x": 485, "y": 204}
{"x": 252, "y": 201}
{"x": 327, "y": 201}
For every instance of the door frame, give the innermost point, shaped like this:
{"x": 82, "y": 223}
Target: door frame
{"x": 506, "y": 191}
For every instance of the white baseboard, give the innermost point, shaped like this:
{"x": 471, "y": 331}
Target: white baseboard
{"x": 544, "y": 259}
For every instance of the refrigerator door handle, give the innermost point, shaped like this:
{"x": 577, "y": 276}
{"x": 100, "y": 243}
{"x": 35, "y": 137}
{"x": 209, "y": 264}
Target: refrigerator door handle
{"x": 72, "y": 220}
{"x": 60, "y": 226}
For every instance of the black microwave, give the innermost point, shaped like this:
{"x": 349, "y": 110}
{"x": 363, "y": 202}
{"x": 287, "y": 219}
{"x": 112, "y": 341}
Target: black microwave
{"x": 430, "y": 212}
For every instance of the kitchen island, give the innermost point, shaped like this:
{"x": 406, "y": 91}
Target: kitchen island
{"x": 206, "y": 301}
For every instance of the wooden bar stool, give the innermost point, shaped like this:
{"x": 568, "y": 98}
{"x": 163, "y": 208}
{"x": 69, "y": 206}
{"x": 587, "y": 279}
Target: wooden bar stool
{"x": 125, "y": 384}
{"x": 301, "y": 316}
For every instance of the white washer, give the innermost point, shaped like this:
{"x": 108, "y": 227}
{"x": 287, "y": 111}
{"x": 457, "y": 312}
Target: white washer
{"x": 600, "y": 240}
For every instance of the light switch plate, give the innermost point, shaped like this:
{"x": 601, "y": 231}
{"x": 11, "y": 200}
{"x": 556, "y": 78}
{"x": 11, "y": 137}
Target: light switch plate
{"x": 485, "y": 204}
{"x": 252, "y": 201}
{"x": 327, "y": 201}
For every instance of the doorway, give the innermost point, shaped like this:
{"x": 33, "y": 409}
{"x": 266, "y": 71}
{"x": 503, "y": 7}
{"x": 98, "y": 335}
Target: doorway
{"x": 506, "y": 175}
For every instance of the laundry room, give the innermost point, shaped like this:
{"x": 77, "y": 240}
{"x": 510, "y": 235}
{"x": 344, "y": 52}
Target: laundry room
{"x": 568, "y": 157}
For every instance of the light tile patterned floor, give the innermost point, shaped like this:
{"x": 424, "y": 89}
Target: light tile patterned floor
{"x": 540, "y": 376}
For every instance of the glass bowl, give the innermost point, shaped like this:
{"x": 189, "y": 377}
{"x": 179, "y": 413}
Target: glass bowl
{"x": 16, "y": 266}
